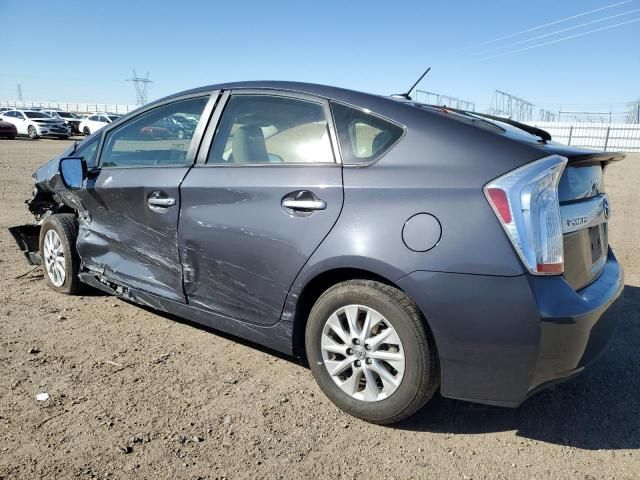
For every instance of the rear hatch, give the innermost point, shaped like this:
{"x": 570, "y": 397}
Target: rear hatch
{"x": 585, "y": 212}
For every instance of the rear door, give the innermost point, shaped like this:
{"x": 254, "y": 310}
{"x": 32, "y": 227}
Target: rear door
{"x": 261, "y": 198}
{"x": 132, "y": 200}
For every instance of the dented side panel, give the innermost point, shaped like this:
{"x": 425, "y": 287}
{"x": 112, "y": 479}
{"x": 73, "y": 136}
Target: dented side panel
{"x": 240, "y": 248}
{"x": 121, "y": 236}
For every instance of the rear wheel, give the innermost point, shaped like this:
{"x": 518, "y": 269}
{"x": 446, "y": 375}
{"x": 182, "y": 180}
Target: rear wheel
{"x": 370, "y": 351}
{"x": 60, "y": 260}
{"x": 32, "y": 132}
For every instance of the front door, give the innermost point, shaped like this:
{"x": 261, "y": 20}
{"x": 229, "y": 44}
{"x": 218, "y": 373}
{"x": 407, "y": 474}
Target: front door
{"x": 132, "y": 200}
{"x": 258, "y": 204}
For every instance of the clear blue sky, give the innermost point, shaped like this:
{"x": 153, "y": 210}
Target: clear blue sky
{"x": 84, "y": 50}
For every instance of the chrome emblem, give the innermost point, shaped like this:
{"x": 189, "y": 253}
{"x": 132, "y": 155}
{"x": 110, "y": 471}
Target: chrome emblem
{"x": 575, "y": 222}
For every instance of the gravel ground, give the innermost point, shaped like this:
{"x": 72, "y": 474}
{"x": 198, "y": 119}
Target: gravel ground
{"x": 138, "y": 394}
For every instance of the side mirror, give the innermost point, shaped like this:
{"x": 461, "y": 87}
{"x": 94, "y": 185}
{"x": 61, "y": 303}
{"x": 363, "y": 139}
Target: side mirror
{"x": 73, "y": 171}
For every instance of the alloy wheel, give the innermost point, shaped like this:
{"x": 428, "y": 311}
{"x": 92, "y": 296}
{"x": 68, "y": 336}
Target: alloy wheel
{"x": 54, "y": 260}
{"x": 363, "y": 353}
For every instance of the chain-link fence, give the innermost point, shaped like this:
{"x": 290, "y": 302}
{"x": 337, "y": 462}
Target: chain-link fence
{"x": 623, "y": 137}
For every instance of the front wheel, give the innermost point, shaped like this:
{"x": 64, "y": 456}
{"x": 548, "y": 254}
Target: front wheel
{"x": 32, "y": 132}
{"x": 58, "y": 254}
{"x": 371, "y": 352}
{"x": 86, "y": 131}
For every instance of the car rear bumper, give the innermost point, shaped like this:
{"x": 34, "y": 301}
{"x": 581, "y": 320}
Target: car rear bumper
{"x": 501, "y": 339}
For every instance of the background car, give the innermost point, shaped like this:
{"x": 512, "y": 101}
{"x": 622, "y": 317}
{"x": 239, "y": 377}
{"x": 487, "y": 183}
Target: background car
{"x": 36, "y": 124}
{"x": 8, "y": 130}
{"x": 70, "y": 119}
{"x": 95, "y": 122}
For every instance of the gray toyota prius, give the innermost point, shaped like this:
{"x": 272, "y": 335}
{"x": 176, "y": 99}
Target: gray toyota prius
{"x": 400, "y": 248}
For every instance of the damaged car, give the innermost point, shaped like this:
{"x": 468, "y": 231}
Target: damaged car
{"x": 400, "y": 248}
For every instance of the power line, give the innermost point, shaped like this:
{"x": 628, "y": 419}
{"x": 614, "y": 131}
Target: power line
{"x": 560, "y": 39}
{"x": 545, "y": 25}
{"x": 557, "y": 32}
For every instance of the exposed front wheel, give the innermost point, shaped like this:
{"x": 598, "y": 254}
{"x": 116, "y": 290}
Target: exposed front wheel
{"x": 86, "y": 131}
{"x": 370, "y": 351}
{"x": 32, "y": 132}
{"x": 58, "y": 255}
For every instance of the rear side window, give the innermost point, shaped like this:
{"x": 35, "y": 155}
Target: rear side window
{"x": 151, "y": 139}
{"x": 269, "y": 129}
{"x": 363, "y": 137}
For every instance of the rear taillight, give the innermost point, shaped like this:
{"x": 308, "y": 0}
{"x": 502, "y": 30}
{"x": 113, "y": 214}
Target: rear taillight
{"x": 525, "y": 201}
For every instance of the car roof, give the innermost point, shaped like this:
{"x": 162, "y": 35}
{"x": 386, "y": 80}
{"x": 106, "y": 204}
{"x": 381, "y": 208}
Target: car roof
{"x": 325, "y": 91}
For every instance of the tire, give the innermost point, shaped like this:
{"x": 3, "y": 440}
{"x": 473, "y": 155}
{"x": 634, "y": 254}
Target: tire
{"x": 86, "y": 131}
{"x": 65, "y": 231}
{"x": 420, "y": 378}
{"x": 32, "y": 132}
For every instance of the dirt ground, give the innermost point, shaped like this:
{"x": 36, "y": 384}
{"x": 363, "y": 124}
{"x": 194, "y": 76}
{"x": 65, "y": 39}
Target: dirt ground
{"x": 137, "y": 394}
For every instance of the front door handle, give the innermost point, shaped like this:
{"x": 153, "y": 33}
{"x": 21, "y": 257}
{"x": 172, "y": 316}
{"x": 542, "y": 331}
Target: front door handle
{"x": 303, "y": 200}
{"x": 161, "y": 202}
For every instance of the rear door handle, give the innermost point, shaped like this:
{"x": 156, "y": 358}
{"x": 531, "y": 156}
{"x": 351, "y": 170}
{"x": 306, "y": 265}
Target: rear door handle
{"x": 303, "y": 200}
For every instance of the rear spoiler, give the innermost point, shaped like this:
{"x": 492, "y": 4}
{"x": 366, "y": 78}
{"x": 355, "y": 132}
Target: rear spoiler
{"x": 593, "y": 157}
{"x": 538, "y": 132}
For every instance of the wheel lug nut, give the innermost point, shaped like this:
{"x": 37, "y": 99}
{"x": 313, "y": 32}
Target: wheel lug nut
{"x": 367, "y": 346}
{"x": 357, "y": 363}
{"x": 355, "y": 341}
{"x": 349, "y": 351}
{"x": 368, "y": 360}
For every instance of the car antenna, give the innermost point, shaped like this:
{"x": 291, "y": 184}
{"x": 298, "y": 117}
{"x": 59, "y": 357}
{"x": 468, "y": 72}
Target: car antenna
{"x": 406, "y": 96}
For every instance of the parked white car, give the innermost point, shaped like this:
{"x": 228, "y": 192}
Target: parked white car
{"x": 96, "y": 122}
{"x": 36, "y": 124}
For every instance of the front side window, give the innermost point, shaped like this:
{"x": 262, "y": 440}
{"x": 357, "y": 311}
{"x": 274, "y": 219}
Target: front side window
{"x": 146, "y": 140}
{"x": 88, "y": 151}
{"x": 269, "y": 129}
{"x": 363, "y": 137}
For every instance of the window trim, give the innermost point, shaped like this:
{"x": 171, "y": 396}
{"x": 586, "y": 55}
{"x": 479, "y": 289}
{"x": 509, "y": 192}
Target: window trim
{"x": 207, "y": 142}
{"x": 366, "y": 111}
{"x": 196, "y": 140}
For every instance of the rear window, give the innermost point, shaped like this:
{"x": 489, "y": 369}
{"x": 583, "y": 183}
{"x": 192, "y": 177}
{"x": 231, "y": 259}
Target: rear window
{"x": 363, "y": 137}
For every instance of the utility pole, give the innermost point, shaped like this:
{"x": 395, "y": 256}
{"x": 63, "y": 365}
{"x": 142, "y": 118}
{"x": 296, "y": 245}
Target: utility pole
{"x": 141, "y": 86}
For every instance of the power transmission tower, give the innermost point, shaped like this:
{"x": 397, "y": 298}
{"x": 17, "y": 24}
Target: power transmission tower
{"x": 141, "y": 85}
{"x": 633, "y": 115}
{"x": 506, "y": 105}
{"x": 20, "y": 93}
